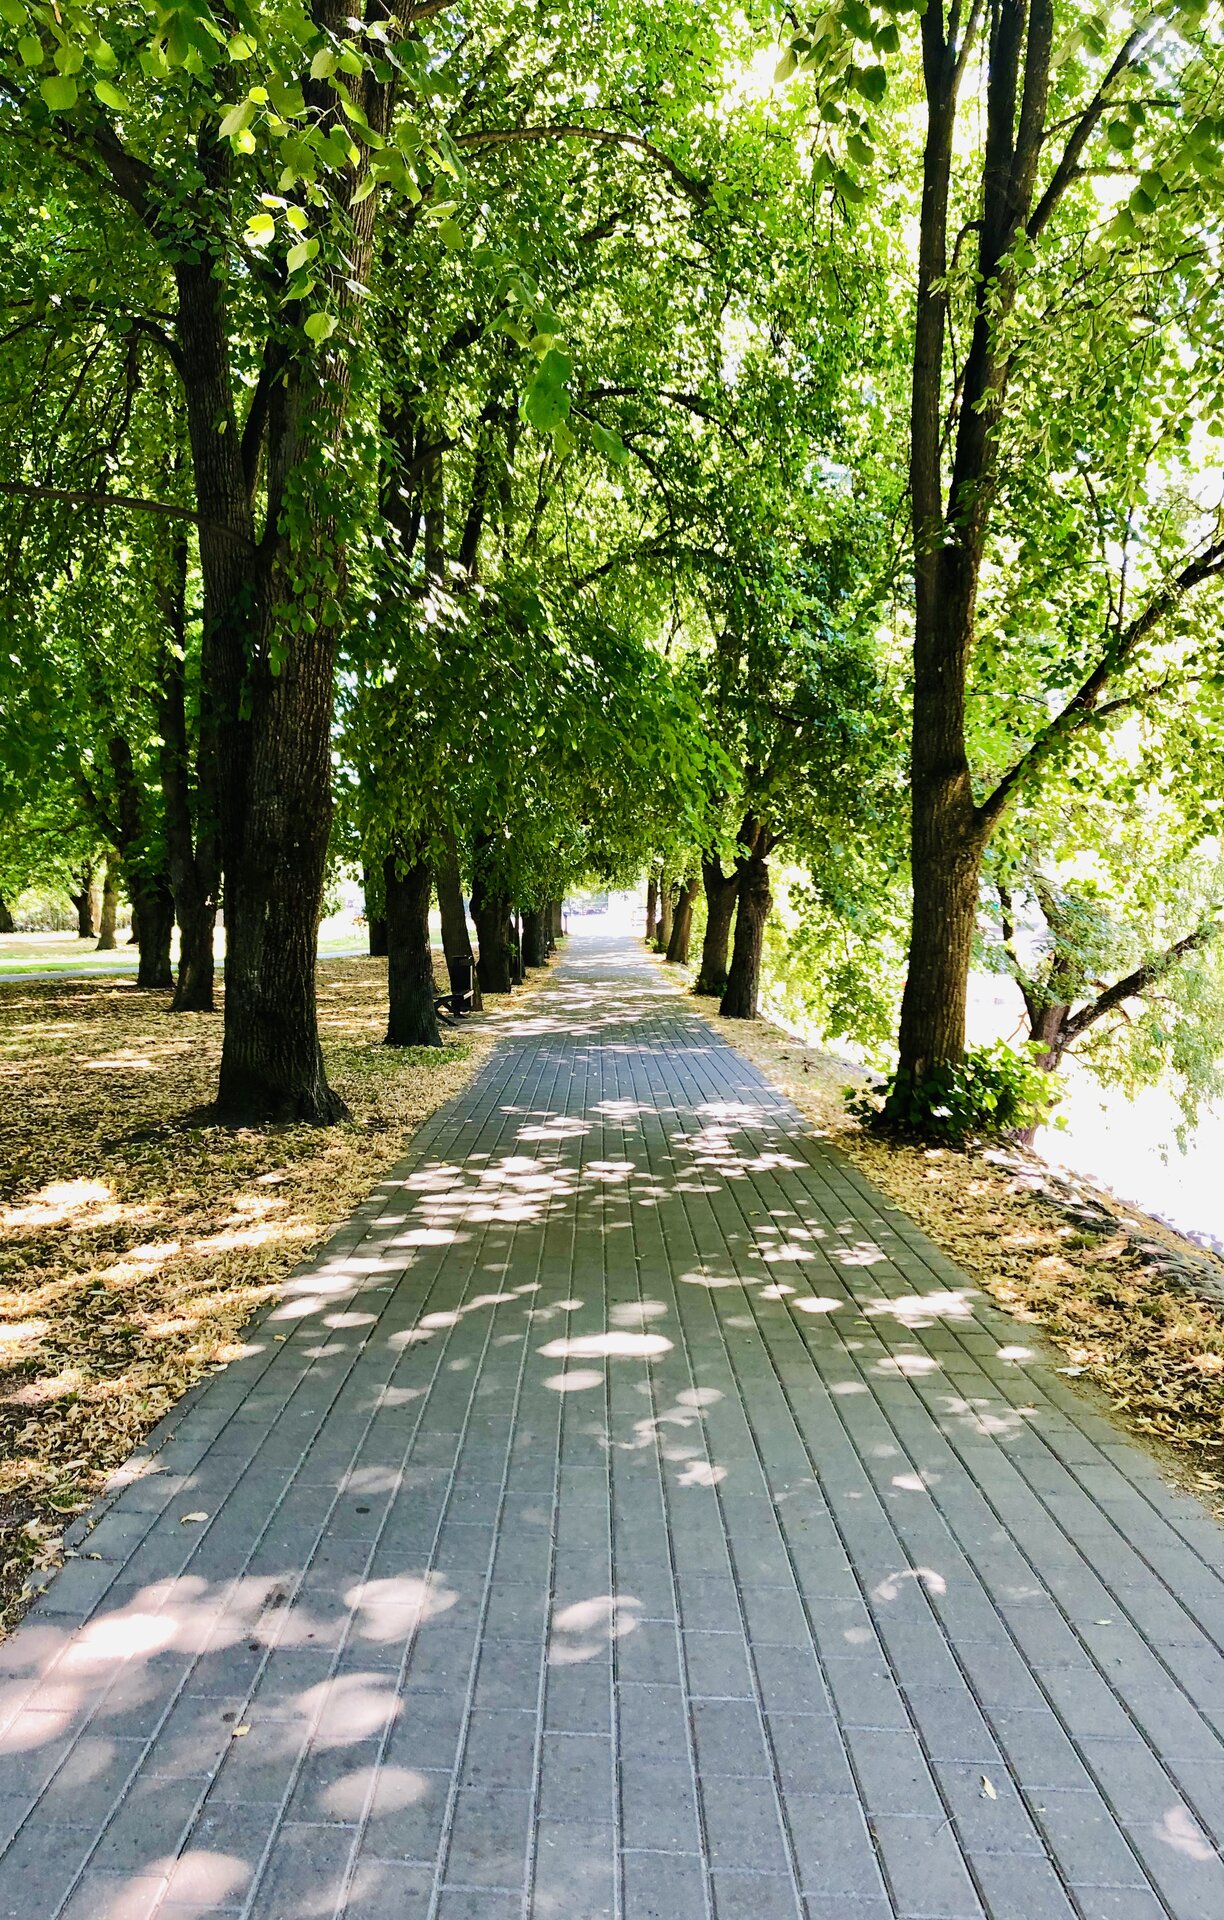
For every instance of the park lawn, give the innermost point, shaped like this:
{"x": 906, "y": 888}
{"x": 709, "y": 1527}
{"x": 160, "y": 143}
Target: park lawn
{"x": 1153, "y": 1348}
{"x": 136, "y": 1238}
{"x": 66, "y": 953}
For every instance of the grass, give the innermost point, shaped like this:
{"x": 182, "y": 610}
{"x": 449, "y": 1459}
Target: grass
{"x": 135, "y": 1240}
{"x": 1153, "y": 1348}
{"x": 66, "y": 953}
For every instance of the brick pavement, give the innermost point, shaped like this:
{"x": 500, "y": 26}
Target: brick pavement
{"x": 628, "y": 1514}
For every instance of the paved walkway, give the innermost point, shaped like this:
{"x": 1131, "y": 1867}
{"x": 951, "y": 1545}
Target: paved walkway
{"x": 627, "y": 1515}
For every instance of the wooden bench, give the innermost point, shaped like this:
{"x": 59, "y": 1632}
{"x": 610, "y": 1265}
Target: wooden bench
{"x": 461, "y": 998}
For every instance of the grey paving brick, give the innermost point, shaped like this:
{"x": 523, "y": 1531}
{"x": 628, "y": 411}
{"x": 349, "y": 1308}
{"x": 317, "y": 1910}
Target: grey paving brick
{"x": 660, "y": 1886}
{"x": 414, "y": 1536}
{"x": 488, "y": 1837}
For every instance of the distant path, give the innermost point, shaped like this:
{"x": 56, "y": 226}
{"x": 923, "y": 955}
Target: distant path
{"x": 628, "y": 1514}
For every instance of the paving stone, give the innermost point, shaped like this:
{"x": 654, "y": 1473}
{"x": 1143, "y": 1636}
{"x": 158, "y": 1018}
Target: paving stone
{"x": 415, "y": 1536}
{"x": 660, "y": 1886}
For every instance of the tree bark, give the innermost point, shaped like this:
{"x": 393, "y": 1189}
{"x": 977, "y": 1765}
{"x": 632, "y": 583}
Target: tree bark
{"x": 739, "y": 1001}
{"x": 7, "y": 922}
{"x": 721, "y": 891}
{"x": 456, "y": 939}
{"x": 153, "y": 904}
{"x": 376, "y": 919}
{"x": 491, "y": 910}
{"x": 667, "y": 907}
{"x": 535, "y": 949}
{"x": 110, "y": 908}
{"x": 652, "y": 904}
{"x": 946, "y": 864}
{"x": 192, "y": 852}
{"x": 682, "y": 922}
{"x": 558, "y": 924}
{"x": 83, "y": 901}
{"x": 412, "y": 1019}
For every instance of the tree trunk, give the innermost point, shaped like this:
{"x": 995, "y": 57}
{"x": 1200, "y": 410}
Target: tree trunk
{"x": 194, "y": 984}
{"x": 721, "y": 891}
{"x": 652, "y": 903}
{"x": 133, "y": 939}
{"x": 190, "y": 817}
{"x": 558, "y": 925}
{"x": 412, "y": 1019}
{"x": 682, "y": 923}
{"x": 1046, "y": 1030}
{"x": 456, "y": 939}
{"x": 153, "y": 907}
{"x": 667, "y": 904}
{"x": 83, "y": 901}
{"x": 7, "y": 922}
{"x": 376, "y": 919}
{"x": 535, "y": 949}
{"x": 739, "y": 1001}
{"x": 110, "y": 908}
{"x": 946, "y": 860}
{"x": 491, "y": 912}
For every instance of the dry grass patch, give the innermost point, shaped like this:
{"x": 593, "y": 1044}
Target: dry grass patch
{"x": 135, "y": 1238}
{"x": 1151, "y": 1345}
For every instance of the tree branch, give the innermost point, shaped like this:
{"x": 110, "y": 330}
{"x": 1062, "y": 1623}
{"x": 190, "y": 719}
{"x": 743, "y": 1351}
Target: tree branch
{"x": 81, "y": 498}
{"x": 698, "y": 191}
{"x": 1083, "y": 704}
{"x": 1135, "y": 984}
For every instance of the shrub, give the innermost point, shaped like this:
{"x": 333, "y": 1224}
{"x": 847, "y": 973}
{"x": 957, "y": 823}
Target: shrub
{"x": 989, "y": 1091}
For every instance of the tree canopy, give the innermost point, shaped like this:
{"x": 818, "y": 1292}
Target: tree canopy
{"x": 495, "y": 447}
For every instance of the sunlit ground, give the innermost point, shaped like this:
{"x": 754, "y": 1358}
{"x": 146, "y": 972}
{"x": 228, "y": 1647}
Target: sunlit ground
{"x": 67, "y": 953}
{"x": 135, "y": 1240}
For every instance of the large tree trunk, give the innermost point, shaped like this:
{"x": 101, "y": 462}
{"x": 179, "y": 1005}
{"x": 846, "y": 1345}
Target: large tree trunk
{"x": 153, "y": 902}
{"x": 946, "y": 859}
{"x": 721, "y": 891}
{"x": 535, "y": 947}
{"x": 83, "y": 901}
{"x": 682, "y": 923}
{"x": 652, "y": 904}
{"x": 456, "y": 939}
{"x": 412, "y": 1018}
{"x": 558, "y": 921}
{"x": 110, "y": 908}
{"x": 491, "y": 910}
{"x": 739, "y": 1001}
{"x": 7, "y": 922}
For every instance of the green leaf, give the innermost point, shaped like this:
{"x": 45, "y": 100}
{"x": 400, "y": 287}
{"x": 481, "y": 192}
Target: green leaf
{"x": 237, "y": 118}
{"x": 259, "y": 229}
{"x": 871, "y": 83}
{"x": 69, "y": 58}
{"x": 452, "y": 235}
{"x": 323, "y": 65}
{"x": 301, "y": 255}
{"x": 31, "y": 50}
{"x": 12, "y": 12}
{"x": 608, "y": 443}
{"x": 110, "y": 96}
{"x": 241, "y": 46}
{"x": 320, "y": 327}
{"x": 59, "y": 91}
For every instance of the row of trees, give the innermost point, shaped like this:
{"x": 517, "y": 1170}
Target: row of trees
{"x": 492, "y": 446}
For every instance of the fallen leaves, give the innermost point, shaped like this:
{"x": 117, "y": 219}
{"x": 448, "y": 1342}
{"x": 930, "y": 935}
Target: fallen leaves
{"x": 137, "y": 1237}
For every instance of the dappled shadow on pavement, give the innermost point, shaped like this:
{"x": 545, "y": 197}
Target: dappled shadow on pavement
{"x": 627, "y": 1514}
